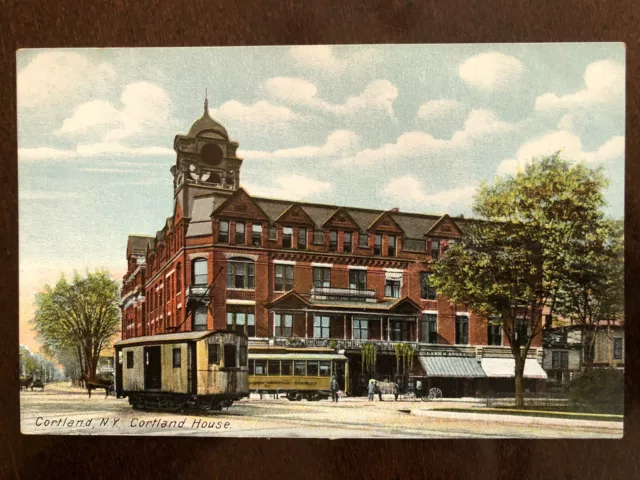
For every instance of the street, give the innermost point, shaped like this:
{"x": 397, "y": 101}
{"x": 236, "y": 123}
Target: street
{"x": 63, "y": 410}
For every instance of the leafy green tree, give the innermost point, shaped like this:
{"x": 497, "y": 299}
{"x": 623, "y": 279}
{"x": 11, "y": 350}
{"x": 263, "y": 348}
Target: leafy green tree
{"x": 29, "y": 366}
{"x": 80, "y": 316}
{"x": 513, "y": 262}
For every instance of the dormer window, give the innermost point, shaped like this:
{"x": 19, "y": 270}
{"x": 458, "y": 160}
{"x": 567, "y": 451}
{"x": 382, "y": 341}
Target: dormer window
{"x": 240, "y": 233}
{"x": 377, "y": 246}
{"x": 223, "y": 231}
{"x": 302, "y": 238}
{"x": 333, "y": 241}
{"x": 256, "y": 234}
{"x": 435, "y": 249}
{"x": 346, "y": 244}
{"x": 363, "y": 240}
{"x": 287, "y": 237}
{"x": 391, "y": 248}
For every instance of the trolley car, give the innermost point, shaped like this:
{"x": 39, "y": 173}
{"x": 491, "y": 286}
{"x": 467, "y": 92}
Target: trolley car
{"x": 203, "y": 370}
{"x": 297, "y": 373}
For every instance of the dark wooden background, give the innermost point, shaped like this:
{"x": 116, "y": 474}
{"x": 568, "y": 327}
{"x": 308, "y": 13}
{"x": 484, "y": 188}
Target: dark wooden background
{"x": 118, "y": 23}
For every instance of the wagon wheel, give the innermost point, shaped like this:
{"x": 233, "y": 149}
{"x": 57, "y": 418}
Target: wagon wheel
{"x": 435, "y": 393}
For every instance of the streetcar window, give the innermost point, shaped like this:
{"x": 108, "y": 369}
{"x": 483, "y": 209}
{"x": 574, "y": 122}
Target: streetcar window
{"x": 287, "y": 367}
{"x": 129, "y": 359}
{"x": 300, "y": 367}
{"x": 261, "y": 367}
{"x": 312, "y": 369}
{"x": 325, "y": 369}
{"x": 251, "y": 367}
{"x": 274, "y": 367}
{"x": 177, "y": 357}
{"x": 229, "y": 355}
{"x": 213, "y": 354}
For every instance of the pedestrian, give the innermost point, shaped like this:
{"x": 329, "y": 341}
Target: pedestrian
{"x": 396, "y": 391}
{"x": 372, "y": 389}
{"x": 334, "y": 387}
{"x": 379, "y": 391}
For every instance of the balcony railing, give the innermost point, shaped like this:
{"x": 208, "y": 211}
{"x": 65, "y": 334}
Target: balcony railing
{"x": 348, "y": 294}
{"x": 196, "y": 292}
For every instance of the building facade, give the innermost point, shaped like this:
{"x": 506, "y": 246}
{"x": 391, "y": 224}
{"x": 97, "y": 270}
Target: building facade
{"x": 303, "y": 274}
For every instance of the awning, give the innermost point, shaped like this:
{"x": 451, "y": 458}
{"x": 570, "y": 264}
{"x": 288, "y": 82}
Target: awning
{"x": 505, "y": 368}
{"x": 450, "y": 366}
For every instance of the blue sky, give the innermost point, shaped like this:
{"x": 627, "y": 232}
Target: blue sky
{"x": 409, "y": 126}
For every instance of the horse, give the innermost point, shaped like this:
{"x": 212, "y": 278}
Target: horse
{"x": 98, "y": 383}
{"x": 25, "y": 383}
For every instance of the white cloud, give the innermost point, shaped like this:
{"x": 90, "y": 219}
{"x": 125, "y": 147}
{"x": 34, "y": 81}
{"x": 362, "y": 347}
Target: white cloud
{"x": 604, "y": 82}
{"x": 260, "y": 113}
{"x": 491, "y": 71}
{"x": 144, "y": 106}
{"x": 480, "y": 123}
{"x": 321, "y": 57}
{"x": 570, "y": 146}
{"x": 294, "y": 187}
{"x": 44, "y": 154}
{"x": 379, "y": 96}
{"x": 436, "y": 109}
{"x": 339, "y": 143}
{"x": 410, "y": 188}
{"x": 52, "y": 75}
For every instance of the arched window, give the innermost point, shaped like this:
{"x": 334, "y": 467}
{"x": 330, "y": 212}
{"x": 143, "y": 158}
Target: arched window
{"x": 200, "y": 273}
{"x": 178, "y": 278}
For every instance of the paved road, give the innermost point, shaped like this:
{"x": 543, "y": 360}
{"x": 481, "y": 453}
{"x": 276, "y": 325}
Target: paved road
{"x": 63, "y": 410}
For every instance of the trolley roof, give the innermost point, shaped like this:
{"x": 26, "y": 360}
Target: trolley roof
{"x": 169, "y": 338}
{"x": 296, "y": 356}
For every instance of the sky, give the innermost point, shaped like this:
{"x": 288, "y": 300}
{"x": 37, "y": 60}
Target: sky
{"x": 416, "y": 127}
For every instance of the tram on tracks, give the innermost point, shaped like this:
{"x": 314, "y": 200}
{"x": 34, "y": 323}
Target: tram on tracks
{"x": 205, "y": 370}
{"x": 297, "y": 373}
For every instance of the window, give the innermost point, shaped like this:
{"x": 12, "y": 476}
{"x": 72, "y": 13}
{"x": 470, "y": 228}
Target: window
{"x": 200, "y": 271}
{"x": 346, "y": 244}
{"x": 287, "y": 237}
{"x": 400, "y": 331}
{"x": 286, "y": 367}
{"x": 200, "y": 318}
{"x": 240, "y": 233}
{"x": 302, "y": 238}
{"x": 300, "y": 367}
{"x": 430, "y": 328}
{"x": 273, "y": 367}
{"x": 427, "y": 292}
{"x": 617, "y": 348}
{"x": 318, "y": 237}
{"x": 241, "y": 320}
{"x": 435, "y": 249}
{"x": 391, "y": 248}
{"x": 176, "y": 357}
{"x": 273, "y": 234}
{"x": 178, "y": 279}
{"x": 260, "y": 367}
{"x": 462, "y": 329}
{"x": 283, "y": 325}
{"x": 256, "y": 235}
{"x": 361, "y": 328}
{"x": 522, "y": 330}
{"x": 357, "y": 279}
{"x": 129, "y": 359}
{"x": 214, "y": 358}
{"x": 229, "y": 356}
{"x": 312, "y": 368}
{"x": 284, "y": 278}
{"x": 377, "y": 246}
{"x": 223, "y": 231}
{"x": 321, "y": 277}
{"x": 363, "y": 240}
{"x": 240, "y": 274}
{"x": 559, "y": 360}
{"x": 321, "y": 327}
{"x": 392, "y": 288}
{"x": 333, "y": 241}
{"x": 325, "y": 368}
{"x": 494, "y": 334}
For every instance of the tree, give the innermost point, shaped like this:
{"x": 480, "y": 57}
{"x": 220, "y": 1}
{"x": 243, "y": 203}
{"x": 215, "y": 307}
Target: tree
{"x": 512, "y": 262}
{"x": 79, "y": 317}
{"x": 593, "y": 291}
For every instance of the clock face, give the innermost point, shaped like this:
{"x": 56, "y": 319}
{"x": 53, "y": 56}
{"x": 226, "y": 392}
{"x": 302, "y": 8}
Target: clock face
{"x": 211, "y": 154}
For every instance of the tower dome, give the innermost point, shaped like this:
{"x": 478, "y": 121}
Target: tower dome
{"x": 207, "y": 126}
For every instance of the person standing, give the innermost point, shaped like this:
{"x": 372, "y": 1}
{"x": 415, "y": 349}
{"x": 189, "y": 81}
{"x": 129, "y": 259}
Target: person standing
{"x": 372, "y": 389}
{"x": 334, "y": 387}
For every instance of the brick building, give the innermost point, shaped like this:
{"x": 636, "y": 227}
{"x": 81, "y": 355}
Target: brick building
{"x": 304, "y": 274}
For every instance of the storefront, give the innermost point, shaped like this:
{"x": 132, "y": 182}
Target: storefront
{"x": 454, "y": 376}
{"x": 500, "y": 374}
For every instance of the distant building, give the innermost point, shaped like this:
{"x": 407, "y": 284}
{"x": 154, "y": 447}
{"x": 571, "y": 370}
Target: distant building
{"x": 314, "y": 275}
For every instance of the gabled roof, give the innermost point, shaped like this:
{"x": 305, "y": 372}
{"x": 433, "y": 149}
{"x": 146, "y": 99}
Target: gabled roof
{"x": 340, "y": 212}
{"x": 389, "y": 219}
{"x": 291, "y": 212}
{"x": 219, "y": 210}
{"x": 443, "y": 219}
{"x": 137, "y": 244}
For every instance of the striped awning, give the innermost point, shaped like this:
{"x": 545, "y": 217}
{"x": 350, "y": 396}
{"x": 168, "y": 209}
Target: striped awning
{"x": 451, "y": 366}
{"x": 505, "y": 368}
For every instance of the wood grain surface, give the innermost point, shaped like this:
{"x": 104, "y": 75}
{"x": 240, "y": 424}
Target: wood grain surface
{"x": 118, "y": 23}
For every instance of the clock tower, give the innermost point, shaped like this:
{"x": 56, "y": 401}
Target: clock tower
{"x": 206, "y": 160}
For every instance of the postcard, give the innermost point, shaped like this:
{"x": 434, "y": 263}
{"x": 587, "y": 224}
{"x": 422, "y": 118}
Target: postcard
{"x": 376, "y": 241}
